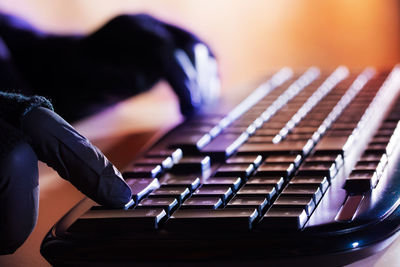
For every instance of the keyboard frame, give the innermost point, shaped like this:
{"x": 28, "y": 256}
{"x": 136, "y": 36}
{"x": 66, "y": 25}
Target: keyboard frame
{"x": 59, "y": 247}
{"x": 337, "y": 244}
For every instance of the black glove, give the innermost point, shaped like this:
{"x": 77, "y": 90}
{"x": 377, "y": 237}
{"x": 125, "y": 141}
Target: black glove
{"x": 132, "y": 52}
{"x": 56, "y": 143}
{"x": 129, "y": 54}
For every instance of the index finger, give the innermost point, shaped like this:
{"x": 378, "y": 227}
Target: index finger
{"x": 61, "y": 147}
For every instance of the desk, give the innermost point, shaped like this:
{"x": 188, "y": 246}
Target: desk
{"x": 250, "y": 38}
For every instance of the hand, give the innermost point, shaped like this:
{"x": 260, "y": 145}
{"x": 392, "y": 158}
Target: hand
{"x": 128, "y": 55}
{"x": 42, "y": 134}
{"x": 56, "y": 143}
{"x": 132, "y": 52}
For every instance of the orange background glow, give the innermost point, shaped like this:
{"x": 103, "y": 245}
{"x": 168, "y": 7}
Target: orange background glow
{"x": 250, "y": 38}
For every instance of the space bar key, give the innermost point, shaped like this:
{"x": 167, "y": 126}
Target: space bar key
{"x": 204, "y": 220}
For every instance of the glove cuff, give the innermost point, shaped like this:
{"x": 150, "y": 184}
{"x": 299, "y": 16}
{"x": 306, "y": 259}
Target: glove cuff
{"x": 14, "y": 106}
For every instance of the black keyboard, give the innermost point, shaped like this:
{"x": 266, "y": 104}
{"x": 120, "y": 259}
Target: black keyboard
{"x": 305, "y": 168}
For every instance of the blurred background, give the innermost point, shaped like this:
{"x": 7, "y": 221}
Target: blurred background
{"x": 249, "y": 38}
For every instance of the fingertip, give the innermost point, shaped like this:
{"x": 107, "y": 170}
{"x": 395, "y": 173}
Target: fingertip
{"x": 113, "y": 190}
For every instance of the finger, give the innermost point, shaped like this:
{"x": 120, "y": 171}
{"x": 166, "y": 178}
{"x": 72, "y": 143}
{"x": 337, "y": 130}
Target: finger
{"x": 181, "y": 75}
{"x": 192, "y": 76}
{"x": 61, "y": 147}
{"x": 204, "y": 74}
{"x": 207, "y": 73}
{"x": 214, "y": 80}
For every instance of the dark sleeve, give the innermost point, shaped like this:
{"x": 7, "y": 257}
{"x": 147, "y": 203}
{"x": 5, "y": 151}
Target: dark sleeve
{"x": 40, "y": 57}
{"x": 49, "y": 65}
{"x": 9, "y": 136}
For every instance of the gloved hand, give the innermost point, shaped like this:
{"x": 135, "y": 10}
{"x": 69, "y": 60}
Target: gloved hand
{"x": 29, "y": 132}
{"x": 83, "y": 73}
{"x": 61, "y": 147}
{"x": 131, "y": 52}
{"x": 31, "y": 120}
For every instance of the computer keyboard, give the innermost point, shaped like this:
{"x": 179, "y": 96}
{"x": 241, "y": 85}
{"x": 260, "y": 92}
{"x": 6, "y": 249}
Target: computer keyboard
{"x": 305, "y": 168}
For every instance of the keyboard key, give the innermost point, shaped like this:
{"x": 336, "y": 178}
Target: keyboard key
{"x": 203, "y": 220}
{"x": 300, "y": 136}
{"x": 304, "y": 130}
{"x": 168, "y": 204}
{"x": 118, "y": 221}
{"x": 322, "y": 181}
{"x": 380, "y": 139}
{"x": 276, "y": 181}
{"x": 258, "y": 122}
{"x": 128, "y": 205}
{"x": 287, "y": 201}
{"x": 251, "y": 130}
{"x": 366, "y": 166}
{"x": 267, "y": 191}
{"x": 276, "y": 217}
{"x": 192, "y": 164}
{"x": 202, "y": 202}
{"x": 235, "y": 129}
{"x": 361, "y": 181}
{"x": 295, "y": 159}
{"x": 142, "y": 171}
{"x": 178, "y": 192}
{"x": 141, "y": 187}
{"x": 281, "y": 169}
{"x": 329, "y": 158}
{"x": 260, "y": 139}
{"x": 175, "y": 154}
{"x": 384, "y": 132}
{"x": 254, "y": 202}
{"x": 165, "y": 162}
{"x": 300, "y": 190}
{"x": 191, "y": 142}
{"x": 233, "y": 182}
{"x": 254, "y": 159}
{"x": 332, "y": 145}
{"x": 273, "y": 125}
{"x": 241, "y": 170}
{"x": 319, "y": 168}
{"x": 293, "y": 147}
{"x": 376, "y": 150}
{"x": 223, "y": 192}
{"x": 224, "y": 145}
{"x": 150, "y": 161}
{"x": 266, "y": 132}
{"x": 174, "y": 180}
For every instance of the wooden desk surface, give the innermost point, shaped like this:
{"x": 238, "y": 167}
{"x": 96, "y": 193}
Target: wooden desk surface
{"x": 250, "y": 38}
